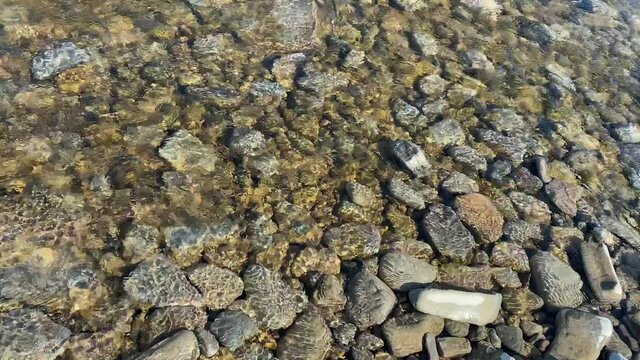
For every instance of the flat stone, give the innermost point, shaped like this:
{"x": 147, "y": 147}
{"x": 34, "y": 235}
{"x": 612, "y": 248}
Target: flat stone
{"x": 512, "y": 148}
{"x": 447, "y": 233}
{"x": 530, "y": 328}
{"x": 470, "y": 307}
{"x": 507, "y": 254}
{"x": 450, "y": 347}
{"x": 458, "y": 183}
{"x": 621, "y": 229}
{"x": 30, "y": 334}
{"x": 484, "y": 351}
{"x": 526, "y": 181}
{"x": 523, "y": 233}
{"x": 475, "y": 60}
{"x": 537, "y": 32}
{"x": 564, "y": 196}
{"x": 430, "y": 346}
{"x": 468, "y": 157}
{"x": 520, "y": 301}
{"x": 403, "y": 272}
{"x": 601, "y": 275}
{"x": 411, "y": 157}
{"x": 159, "y": 282}
{"x": 511, "y": 338}
{"x": 167, "y": 320}
{"x": 207, "y": 342}
{"x": 219, "y": 287}
{"x": 471, "y": 278}
{"x": 404, "y": 334}
{"x": 579, "y": 335}
{"x": 542, "y": 169}
{"x": 186, "y": 153}
{"x": 530, "y": 208}
{"x": 61, "y": 56}
{"x": 555, "y": 281}
{"x": 308, "y": 338}
{"x": 456, "y": 328}
{"x": 405, "y": 194}
{"x": 480, "y": 214}
{"x": 351, "y": 241}
{"x": 505, "y": 277}
{"x": 447, "y": 132}
{"x": 181, "y": 346}
{"x": 369, "y": 300}
{"x": 232, "y": 328}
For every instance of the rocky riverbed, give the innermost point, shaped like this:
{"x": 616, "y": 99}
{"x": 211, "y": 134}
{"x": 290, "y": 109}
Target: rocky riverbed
{"x": 319, "y": 179}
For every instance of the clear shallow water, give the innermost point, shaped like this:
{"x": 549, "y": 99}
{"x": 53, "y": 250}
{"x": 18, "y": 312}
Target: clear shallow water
{"x": 228, "y": 136}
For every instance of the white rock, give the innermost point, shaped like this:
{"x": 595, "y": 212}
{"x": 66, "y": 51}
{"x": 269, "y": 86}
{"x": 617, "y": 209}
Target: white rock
{"x": 579, "y": 335}
{"x": 600, "y": 273}
{"x": 470, "y": 307}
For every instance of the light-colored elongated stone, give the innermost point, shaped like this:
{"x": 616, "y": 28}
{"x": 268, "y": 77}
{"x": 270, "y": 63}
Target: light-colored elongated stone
{"x": 471, "y": 307}
{"x": 579, "y": 335}
{"x": 404, "y": 334}
{"x": 181, "y": 346}
{"x": 600, "y": 273}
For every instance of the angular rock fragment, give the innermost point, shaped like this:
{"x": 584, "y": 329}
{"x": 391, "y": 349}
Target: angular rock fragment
{"x": 458, "y": 183}
{"x": 61, "y": 56}
{"x": 353, "y": 241}
{"x": 185, "y": 244}
{"x": 530, "y": 208}
{"x": 471, "y": 307}
{"x": 447, "y": 132}
{"x": 512, "y": 148}
{"x": 369, "y": 300}
{"x": 405, "y": 194}
{"x": 600, "y": 273}
{"x": 232, "y": 328}
{"x": 452, "y": 347}
{"x": 308, "y": 338}
{"x": 481, "y": 215}
{"x": 505, "y": 277}
{"x": 159, "y": 282}
{"x": 564, "y": 196}
{"x": 621, "y": 229}
{"x": 329, "y": 293}
{"x": 164, "y": 321}
{"x": 207, "y": 343}
{"x": 469, "y": 158}
{"x": 404, "y": 333}
{"x": 30, "y": 334}
{"x": 410, "y": 157}
{"x": 187, "y": 153}
{"x": 246, "y": 142}
{"x": 181, "y": 346}
{"x": 579, "y": 335}
{"x": 510, "y": 255}
{"x": 219, "y": 287}
{"x": 555, "y": 281}
{"x": 448, "y": 235}
{"x": 140, "y": 242}
{"x": 403, "y": 272}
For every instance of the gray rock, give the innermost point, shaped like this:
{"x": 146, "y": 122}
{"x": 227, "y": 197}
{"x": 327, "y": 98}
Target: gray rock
{"x": 498, "y": 171}
{"x": 284, "y": 68}
{"x": 555, "y": 281}
{"x": 600, "y": 273}
{"x": 308, "y": 338}
{"x": 181, "y": 346}
{"x": 219, "y": 287}
{"x": 458, "y": 183}
{"x": 469, "y": 158}
{"x": 471, "y": 307}
{"x": 530, "y": 328}
{"x": 410, "y": 5}
{"x": 407, "y": 116}
{"x": 322, "y": 84}
{"x": 404, "y": 334}
{"x": 329, "y": 293}
{"x": 456, "y": 328}
{"x": 274, "y": 302}
{"x": 523, "y": 233}
{"x": 621, "y": 229}
{"x": 447, "y": 132}
{"x": 213, "y": 44}
{"x": 345, "y": 333}
{"x": 207, "y": 342}
{"x": 353, "y": 241}
{"x": 159, "y": 282}
{"x": 360, "y": 194}
{"x": 512, "y": 148}
{"x": 232, "y": 328}
{"x": 434, "y": 108}
{"x": 140, "y": 242}
{"x": 505, "y": 277}
{"x": 405, "y": 194}
{"x": 185, "y": 244}
{"x": 494, "y": 339}
{"x": 254, "y": 351}
{"x": 368, "y": 341}
{"x": 542, "y": 169}
{"x": 525, "y": 181}
{"x": 505, "y": 120}
{"x": 478, "y": 333}
{"x": 186, "y": 153}
{"x": 404, "y": 272}
{"x": 475, "y": 60}
{"x": 565, "y": 196}
{"x": 410, "y": 157}
{"x": 579, "y": 335}
{"x": 451, "y": 347}
{"x": 61, "y": 56}
{"x": 167, "y": 320}
{"x": 264, "y": 90}
{"x": 369, "y": 300}
{"x": 511, "y": 338}
{"x": 30, "y": 334}
{"x": 246, "y": 142}
{"x": 358, "y": 353}
{"x": 628, "y": 133}
{"x": 447, "y": 233}
{"x": 507, "y": 254}
{"x": 430, "y": 346}
{"x": 560, "y": 76}
{"x": 425, "y": 43}
{"x": 432, "y": 85}
{"x": 617, "y": 345}
{"x": 484, "y": 351}
{"x": 489, "y": 8}
{"x": 530, "y": 208}
{"x": 537, "y": 32}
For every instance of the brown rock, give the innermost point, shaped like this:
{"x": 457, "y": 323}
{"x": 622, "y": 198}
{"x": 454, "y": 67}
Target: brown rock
{"x": 481, "y": 215}
{"x": 564, "y": 196}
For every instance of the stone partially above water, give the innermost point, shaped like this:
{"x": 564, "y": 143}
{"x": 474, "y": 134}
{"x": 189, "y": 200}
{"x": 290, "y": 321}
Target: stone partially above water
{"x": 447, "y": 233}
{"x": 159, "y": 282}
{"x": 403, "y": 272}
{"x": 60, "y": 57}
{"x": 600, "y": 273}
{"x": 308, "y": 338}
{"x": 471, "y": 307}
{"x": 369, "y": 300}
{"x": 30, "y": 334}
{"x": 181, "y": 346}
{"x": 481, "y": 215}
{"x": 579, "y": 335}
{"x": 555, "y": 281}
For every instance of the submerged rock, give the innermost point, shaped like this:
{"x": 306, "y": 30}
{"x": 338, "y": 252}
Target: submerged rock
{"x": 232, "y": 328}
{"x": 353, "y": 241}
{"x": 405, "y": 194}
{"x": 481, "y": 215}
{"x": 471, "y": 307}
{"x": 181, "y": 346}
{"x": 369, "y": 300}
{"x": 555, "y": 281}
{"x": 61, "y": 56}
{"x": 187, "y": 153}
{"x": 404, "y": 333}
{"x": 308, "y": 338}
{"x": 410, "y": 157}
{"x": 219, "y": 287}
{"x": 448, "y": 235}
{"x": 30, "y": 334}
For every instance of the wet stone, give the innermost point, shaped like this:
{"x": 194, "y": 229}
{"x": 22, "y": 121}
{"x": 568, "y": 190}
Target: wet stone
{"x": 447, "y": 132}
{"x": 159, "y": 282}
{"x": 505, "y": 277}
{"x": 353, "y": 241}
{"x": 600, "y": 273}
{"x": 530, "y": 328}
{"x": 579, "y": 335}
{"x": 59, "y": 57}
{"x": 509, "y": 255}
{"x": 537, "y": 32}
{"x": 408, "y": 116}
{"x": 232, "y": 328}
{"x": 308, "y": 338}
{"x": 555, "y": 281}
{"x": 525, "y": 181}
{"x": 405, "y": 194}
{"x": 187, "y": 153}
{"x": 403, "y": 272}
{"x": 246, "y": 142}
{"x": 207, "y": 343}
{"x": 523, "y": 233}
{"x": 164, "y": 321}
{"x": 505, "y": 120}
{"x": 329, "y": 293}
{"x": 219, "y": 287}
{"x": 180, "y": 346}
{"x": 345, "y": 334}
{"x": 475, "y": 60}
{"x": 451, "y": 347}
{"x": 466, "y": 277}
{"x": 410, "y": 157}
{"x": 480, "y": 214}
{"x": 369, "y": 300}
{"x": 366, "y": 340}
{"x": 447, "y": 233}
{"x": 520, "y": 301}
{"x": 425, "y": 43}
{"x": 542, "y": 169}
{"x": 512, "y": 148}
{"x": 621, "y": 229}
{"x": 185, "y": 244}
{"x": 498, "y": 172}
{"x": 432, "y": 85}
{"x": 469, "y": 158}
{"x": 30, "y": 334}
{"x": 511, "y": 338}
{"x": 458, "y": 183}
{"x": 564, "y": 196}
{"x": 404, "y": 334}
{"x": 140, "y": 242}
{"x": 321, "y": 84}
{"x": 628, "y": 133}
{"x": 360, "y": 194}
{"x": 530, "y": 208}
